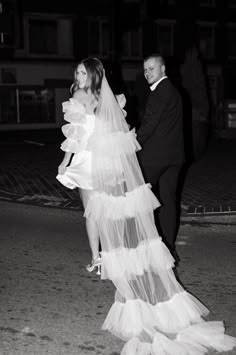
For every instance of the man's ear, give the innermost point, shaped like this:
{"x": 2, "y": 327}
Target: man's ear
{"x": 163, "y": 69}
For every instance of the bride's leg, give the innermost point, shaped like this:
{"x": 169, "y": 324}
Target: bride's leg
{"x": 93, "y": 236}
{"x": 91, "y": 225}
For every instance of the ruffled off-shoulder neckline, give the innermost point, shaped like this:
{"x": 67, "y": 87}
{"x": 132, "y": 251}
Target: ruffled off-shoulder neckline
{"x": 73, "y": 105}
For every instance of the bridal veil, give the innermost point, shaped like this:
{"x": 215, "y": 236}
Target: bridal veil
{"x": 151, "y": 311}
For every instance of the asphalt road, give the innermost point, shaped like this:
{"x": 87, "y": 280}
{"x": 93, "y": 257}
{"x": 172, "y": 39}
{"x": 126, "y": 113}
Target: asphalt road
{"x": 51, "y": 305}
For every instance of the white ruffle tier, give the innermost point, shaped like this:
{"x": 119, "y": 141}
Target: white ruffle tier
{"x": 127, "y": 262}
{"x": 121, "y": 99}
{"x": 73, "y": 131}
{"x": 106, "y": 146}
{"x": 196, "y": 339}
{"x": 115, "y": 144}
{"x": 122, "y": 102}
{"x": 73, "y": 145}
{"x": 139, "y": 201}
{"x": 74, "y": 111}
{"x": 130, "y": 319}
{"x": 78, "y": 128}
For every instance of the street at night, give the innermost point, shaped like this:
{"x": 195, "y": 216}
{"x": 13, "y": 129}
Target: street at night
{"x": 118, "y": 122}
{"x": 51, "y": 305}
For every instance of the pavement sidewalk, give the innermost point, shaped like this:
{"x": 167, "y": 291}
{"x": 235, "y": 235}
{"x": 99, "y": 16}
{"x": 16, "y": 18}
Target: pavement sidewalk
{"x": 51, "y": 305}
{"x": 29, "y": 166}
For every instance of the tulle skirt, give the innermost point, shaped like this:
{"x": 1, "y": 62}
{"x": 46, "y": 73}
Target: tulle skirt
{"x": 152, "y": 312}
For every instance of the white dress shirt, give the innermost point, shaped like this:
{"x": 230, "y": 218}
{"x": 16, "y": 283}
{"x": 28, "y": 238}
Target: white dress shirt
{"x": 153, "y": 86}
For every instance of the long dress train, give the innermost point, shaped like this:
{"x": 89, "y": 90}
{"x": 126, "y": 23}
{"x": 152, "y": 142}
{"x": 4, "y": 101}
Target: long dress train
{"x": 152, "y": 312}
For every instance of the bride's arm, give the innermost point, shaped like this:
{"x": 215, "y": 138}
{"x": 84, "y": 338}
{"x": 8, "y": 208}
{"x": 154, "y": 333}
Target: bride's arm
{"x": 64, "y": 163}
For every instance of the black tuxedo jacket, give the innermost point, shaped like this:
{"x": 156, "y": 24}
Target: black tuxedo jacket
{"x": 161, "y": 130}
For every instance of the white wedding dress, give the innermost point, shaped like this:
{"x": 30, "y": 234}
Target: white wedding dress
{"x": 152, "y": 312}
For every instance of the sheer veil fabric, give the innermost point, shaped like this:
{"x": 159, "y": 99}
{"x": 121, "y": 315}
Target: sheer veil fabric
{"x": 151, "y": 312}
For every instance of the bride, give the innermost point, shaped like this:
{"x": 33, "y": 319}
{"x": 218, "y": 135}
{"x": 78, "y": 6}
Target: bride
{"x": 152, "y": 312}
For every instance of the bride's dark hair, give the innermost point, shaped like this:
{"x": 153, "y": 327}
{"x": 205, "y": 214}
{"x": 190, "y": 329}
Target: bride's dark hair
{"x": 94, "y": 68}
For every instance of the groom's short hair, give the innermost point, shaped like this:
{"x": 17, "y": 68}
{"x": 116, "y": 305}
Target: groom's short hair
{"x": 157, "y": 56}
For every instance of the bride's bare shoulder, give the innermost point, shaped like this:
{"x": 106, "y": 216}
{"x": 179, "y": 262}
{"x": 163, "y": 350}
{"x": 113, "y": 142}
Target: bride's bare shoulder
{"x": 86, "y": 100}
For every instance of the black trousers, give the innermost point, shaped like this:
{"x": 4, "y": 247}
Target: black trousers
{"x": 164, "y": 181}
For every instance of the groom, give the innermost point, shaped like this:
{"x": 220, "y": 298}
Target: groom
{"x": 161, "y": 137}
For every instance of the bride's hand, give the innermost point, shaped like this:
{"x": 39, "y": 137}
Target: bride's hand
{"x": 61, "y": 169}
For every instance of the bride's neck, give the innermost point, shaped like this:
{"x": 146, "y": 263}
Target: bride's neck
{"x": 91, "y": 103}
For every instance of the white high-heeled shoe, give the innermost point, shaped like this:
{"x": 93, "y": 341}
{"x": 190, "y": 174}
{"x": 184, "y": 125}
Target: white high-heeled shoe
{"x": 95, "y": 264}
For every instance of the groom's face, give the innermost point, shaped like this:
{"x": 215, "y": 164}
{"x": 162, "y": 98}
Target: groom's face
{"x": 153, "y": 70}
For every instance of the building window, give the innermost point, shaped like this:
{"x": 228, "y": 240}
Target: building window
{"x": 9, "y": 75}
{"x": 27, "y": 105}
{"x": 132, "y": 44}
{"x": 42, "y": 37}
{"x": 65, "y": 37}
{"x": 7, "y": 24}
{"x": 207, "y": 3}
{"x": 99, "y": 37}
{"x": 48, "y": 36}
{"x": 8, "y": 105}
{"x": 36, "y": 105}
{"x": 165, "y": 37}
{"x": 231, "y": 40}
{"x": 206, "y": 36}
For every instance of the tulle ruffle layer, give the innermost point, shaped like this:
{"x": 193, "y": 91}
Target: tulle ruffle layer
{"x": 73, "y": 145}
{"x": 115, "y": 144}
{"x": 74, "y": 112}
{"x": 73, "y": 131}
{"x": 196, "y": 339}
{"x": 131, "y": 318}
{"x": 137, "y": 202}
{"x": 150, "y": 254}
{"x": 76, "y": 131}
{"x": 108, "y": 146}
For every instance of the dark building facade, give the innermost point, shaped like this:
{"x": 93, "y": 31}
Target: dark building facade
{"x": 40, "y": 46}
